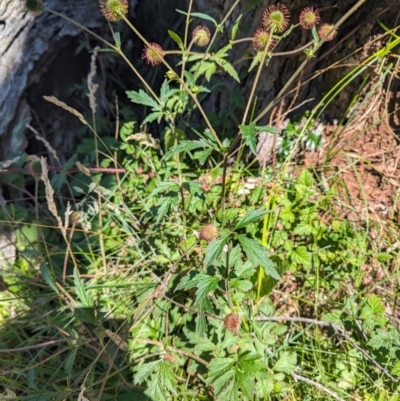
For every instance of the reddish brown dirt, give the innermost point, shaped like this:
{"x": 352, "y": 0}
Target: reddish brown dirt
{"x": 362, "y": 160}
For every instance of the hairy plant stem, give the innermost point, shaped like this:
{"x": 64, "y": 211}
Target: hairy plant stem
{"x": 223, "y": 192}
{"x": 178, "y": 163}
{"x": 185, "y": 39}
{"x": 182, "y": 83}
{"x": 250, "y": 99}
{"x": 257, "y": 77}
{"x": 230, "y": 11}
{"x": 298, "y": 71}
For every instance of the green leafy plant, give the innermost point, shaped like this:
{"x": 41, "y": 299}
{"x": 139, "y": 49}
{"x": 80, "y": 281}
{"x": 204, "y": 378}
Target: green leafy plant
{"x": 174, "y": 270}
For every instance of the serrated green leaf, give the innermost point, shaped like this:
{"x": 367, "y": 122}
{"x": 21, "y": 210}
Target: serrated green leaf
{"x": 315, "y": 35}
{"x": 127, "y": 129}
{"x": 58, "y": 181}
{"x": 258, "y": 255}
{"x": 70, "y": 360}
{"x": 251, "y": 217}
{"x": 267, "y": 128}
{"x": 300, "y": 255}
{"x": 303, "y": 228}
{"x": 206, "y": 68}
{"x": 256, "y": 60}
{"x": 176, "y": 38}
{"x": 81, "y": 291}
{"x": 235, "y": 27}
{"x": 376, "y": 305}
{"x": 165, "y": 186}
{"x": 48, "y": 277}
{"x": 305, "y": 178}
{"x": 143, "y": 98}
{"x": 229, "y": 69}
{"x": 215, "y": 248}
{"x": 163, "y": 207}
{"x": 396, "y": 369}
{"x": 241, "y": 285}
{"x": 249, "y": 135}
{"x": 384, "y": 257}
{"x": 265, "y": 386}
{"x": 286, "y": 362}
{"x": 117, "y": 38}
{"x": 202, "y": 89}
{"x": 250, "y": 368}
{"x": 151, "y": 117}
{"x": 190, "y": 80}
{"x": 201, "y": 343}
{"x": 159, "y": 377}
{"x": 194, "y": 188}
{"x": 389, "y": 339}
{"x": 217, "y": 367}
{"x": 334, "y": 316}
{"x": 223, "y": 380}
{"x": 185, "y": 146}
{"x": 143, "y": 371}
{"x": 165, "y": 92}
{"x": 204, "y": 155}
{"x": 71, "y": 162}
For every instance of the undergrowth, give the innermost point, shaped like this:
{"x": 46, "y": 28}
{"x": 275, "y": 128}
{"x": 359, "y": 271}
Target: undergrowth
{"x": 181, "y": 269}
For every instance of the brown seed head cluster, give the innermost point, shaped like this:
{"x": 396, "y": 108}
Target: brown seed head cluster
{"x": 232, "y": 322}
{"x": 260, "y": 40}
{"x": 209, "y": 233}
{"x": 309, "y": 18}
{"x": 201, "y": 36}
{"x": 327, "y": 32}
{"x": 34, "y": 6}
{"x": 113, "y": 10}
{"x": 153, "y": 54}
{"x": 276, "y": 17}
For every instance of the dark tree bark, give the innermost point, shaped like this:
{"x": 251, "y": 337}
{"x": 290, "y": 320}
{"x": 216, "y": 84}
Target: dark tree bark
{"x": 37, "y": 54}
{"x": 28, "y": 45}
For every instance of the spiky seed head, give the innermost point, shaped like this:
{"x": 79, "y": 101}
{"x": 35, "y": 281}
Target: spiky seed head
{"x": 209, "y": 233}
{"x": 309, "y": 18}
{"x": 35, "y": 168}
{"x": 260, "y": 40}
{"x": 34, "y": 6}
{"x": 232, "y": 322}
{"x": 201, "y": 35}
{"x": 113, "y": 10}
{"x": 327, "y": 32}
{"x": 169, "y": 358}
{"x": 153, "y": 54}
{"x": 276, "y": 17}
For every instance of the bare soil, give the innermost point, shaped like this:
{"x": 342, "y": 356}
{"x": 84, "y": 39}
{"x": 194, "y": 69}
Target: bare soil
{"x": 362, "y": 159}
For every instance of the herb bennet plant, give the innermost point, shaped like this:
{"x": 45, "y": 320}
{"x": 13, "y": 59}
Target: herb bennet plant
{"x": 180, "y": 271}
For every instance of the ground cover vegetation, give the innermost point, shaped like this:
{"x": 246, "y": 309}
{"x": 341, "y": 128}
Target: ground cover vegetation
{"x": 226, "y": 258}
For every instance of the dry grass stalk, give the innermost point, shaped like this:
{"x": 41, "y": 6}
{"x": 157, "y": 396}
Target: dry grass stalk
{"x": 64, "y": 106}
{"x": 50, "y": 195}
{"x": 50, "y": 149}
{"x": 68, "y": 212}
{"x": 83, "y": 169}
{"x": 144, "y": 139}
{"x": 8, "y": 163}
{"x": 91, "y": 85}
{"x": 118, "y": 340}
